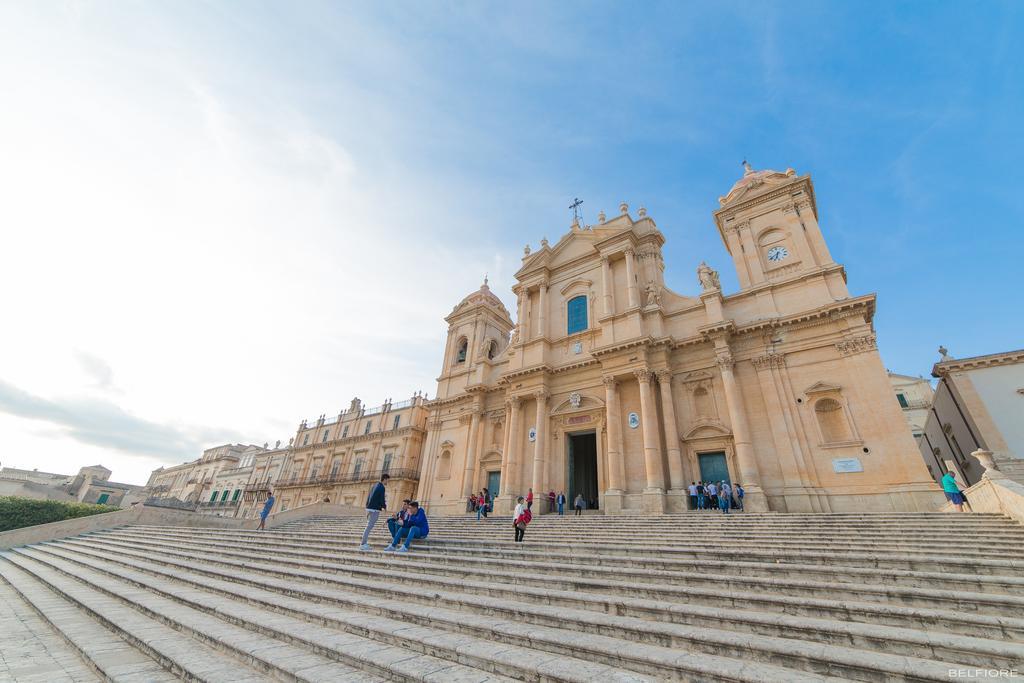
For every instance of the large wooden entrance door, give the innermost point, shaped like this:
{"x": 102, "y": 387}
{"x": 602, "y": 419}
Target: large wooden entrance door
{"x": 713, "y": 467}
{"x": 582, "y": 469}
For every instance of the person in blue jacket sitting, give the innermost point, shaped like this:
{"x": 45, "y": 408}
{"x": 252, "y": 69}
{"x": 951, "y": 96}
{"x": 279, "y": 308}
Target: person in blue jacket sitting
{"x": 415, "y": 526}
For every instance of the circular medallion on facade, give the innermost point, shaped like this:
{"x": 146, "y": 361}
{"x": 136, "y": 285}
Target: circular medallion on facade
{"x": 634, "y": 420}
{"x": 533, "y": 433}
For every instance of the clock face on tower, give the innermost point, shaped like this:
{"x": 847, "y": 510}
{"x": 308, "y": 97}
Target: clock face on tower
{"x": 777, "y": 253}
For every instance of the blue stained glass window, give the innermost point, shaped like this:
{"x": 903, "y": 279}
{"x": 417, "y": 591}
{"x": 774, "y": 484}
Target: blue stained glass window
{"x": 577, "y": 314}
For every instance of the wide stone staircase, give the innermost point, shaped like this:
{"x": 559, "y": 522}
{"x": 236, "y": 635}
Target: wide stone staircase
{"x": 699, "y": 596}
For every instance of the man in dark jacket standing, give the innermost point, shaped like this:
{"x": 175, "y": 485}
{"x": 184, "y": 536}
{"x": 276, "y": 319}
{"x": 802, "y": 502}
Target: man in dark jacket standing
{"x": 374, "y": 504}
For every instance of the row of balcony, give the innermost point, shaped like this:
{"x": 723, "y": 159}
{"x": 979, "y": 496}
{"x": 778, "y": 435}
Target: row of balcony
{"x": 351, "y": 478}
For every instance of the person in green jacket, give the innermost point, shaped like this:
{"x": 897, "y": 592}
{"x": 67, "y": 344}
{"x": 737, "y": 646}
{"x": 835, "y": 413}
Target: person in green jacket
{"x": 952, "y": 491}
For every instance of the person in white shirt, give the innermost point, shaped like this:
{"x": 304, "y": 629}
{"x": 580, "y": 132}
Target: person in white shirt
{"x": 520, "y": 506}
{"x": 712, "y": 490}
{"x": 692, "y": 488}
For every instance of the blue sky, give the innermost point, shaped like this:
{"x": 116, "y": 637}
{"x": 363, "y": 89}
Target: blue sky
{"x": 204, "y": 196}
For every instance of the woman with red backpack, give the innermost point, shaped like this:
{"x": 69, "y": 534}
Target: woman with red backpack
{"x": 522, "y": 518}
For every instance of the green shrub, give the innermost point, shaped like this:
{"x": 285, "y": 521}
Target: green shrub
{"x": 16, "y": 513}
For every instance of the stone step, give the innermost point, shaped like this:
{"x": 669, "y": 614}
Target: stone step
{"x": 30, "y": 648}
{"x": 388, "y": 617}
{"x": 289, "y": 648}
{"x": 851, "y": 663}
{"x": 912, "y": 639}
{"x": 622, "y": 592}
{"x": 683, "y": 571}
{"x": 178, "y": 653}
{"x": 976, "y": 537}
{"x": 662, "y": 557}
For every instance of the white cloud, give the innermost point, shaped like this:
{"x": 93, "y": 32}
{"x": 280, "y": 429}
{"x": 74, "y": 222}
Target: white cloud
{"x": 236, "y": 263}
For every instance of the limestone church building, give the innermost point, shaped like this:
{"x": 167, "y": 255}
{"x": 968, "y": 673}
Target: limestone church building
{"x": 610, "y": 385}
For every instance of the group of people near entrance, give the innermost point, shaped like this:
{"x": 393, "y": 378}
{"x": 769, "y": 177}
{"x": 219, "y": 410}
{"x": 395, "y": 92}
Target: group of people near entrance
{"x": 721, "y": 496}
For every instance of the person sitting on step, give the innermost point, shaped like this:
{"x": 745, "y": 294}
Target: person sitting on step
{"x": 415, "y": 527}
{"x": 396, "y": 521}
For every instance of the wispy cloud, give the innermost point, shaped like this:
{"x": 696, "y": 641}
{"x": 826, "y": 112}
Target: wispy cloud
{"x": 98, "y": 422}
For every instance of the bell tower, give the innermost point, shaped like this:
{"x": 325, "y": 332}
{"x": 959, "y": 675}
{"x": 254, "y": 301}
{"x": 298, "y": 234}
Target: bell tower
{"x": 769, "y": 224}
{"x": 478, "y": 333}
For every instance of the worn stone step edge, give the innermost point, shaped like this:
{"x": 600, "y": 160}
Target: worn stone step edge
{"x": 700, "y": 662}
{"x": 620, "y": 553}
{"x": 355, "y": 668}
{"x": 563, "y": 565}
{"x": 857, "y": 664}
{"x": 116, "y": 623}
{"x": 1009, "y": 627}
{"x": 35, "y": 625}
{"x": 981, "y": 651}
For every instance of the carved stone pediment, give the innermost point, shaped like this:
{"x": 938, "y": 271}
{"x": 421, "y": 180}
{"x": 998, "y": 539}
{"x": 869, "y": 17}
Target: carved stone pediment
{"x": 707, "y": 429}
{"x": 822, "y": 388}
{"x": 586, "y": 403}
{"x": 696, "y": 376}
{"x": 447, "y": 443}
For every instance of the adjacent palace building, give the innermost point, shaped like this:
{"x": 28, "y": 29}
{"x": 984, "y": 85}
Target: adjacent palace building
{"x": 610, "y": 385}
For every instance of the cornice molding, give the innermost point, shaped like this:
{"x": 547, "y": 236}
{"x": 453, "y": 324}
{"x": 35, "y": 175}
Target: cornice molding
{"x": 943, "y": 368}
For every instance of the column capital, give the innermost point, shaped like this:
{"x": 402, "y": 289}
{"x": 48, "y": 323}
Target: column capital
{"x": 541, "y": 395}
{"x": 769, "y": 360}
{"x": 643, "y": 375}
{"x": 724, "y": 359}
{"x": 664, "y": 376}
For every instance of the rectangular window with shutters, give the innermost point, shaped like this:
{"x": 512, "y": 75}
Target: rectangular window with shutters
{"x": 236, "y": 494}
{"x": 344, "y": 432}
{"x": 224, "y": 496}
{"x": 213, "y": 496}
{"x": 576, "y": 314}
{"x": 368, "y": 425}
{"x": 398, "y": 419}
{"x": 326, "y": 434}
{"x": 903, "y": 400}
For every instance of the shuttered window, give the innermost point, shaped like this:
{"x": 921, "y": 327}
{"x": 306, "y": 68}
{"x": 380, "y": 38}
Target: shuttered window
{"x": 577, "y": 314}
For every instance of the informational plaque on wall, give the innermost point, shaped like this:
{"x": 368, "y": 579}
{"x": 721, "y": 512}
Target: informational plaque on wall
{"x": 847, "y": 465}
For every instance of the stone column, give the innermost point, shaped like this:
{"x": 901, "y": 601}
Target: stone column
{"x": 608, "y": 284}
{"x": 654, "y": 493}
{"x": 754, "y": 500}
{"x": 470, "y": 471}
{"x": 542, "y": 316}
{"x": 512, "y": 485}
{"x": 631, "y": 287}
{"x": 616, "y": 466}
{"x": 541, "y": 444}
{"x": 675, "y": 458}
{"x": 504, "y": 449}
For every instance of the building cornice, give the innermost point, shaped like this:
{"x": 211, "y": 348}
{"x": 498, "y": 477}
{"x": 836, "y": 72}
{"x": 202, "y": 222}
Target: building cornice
{"x": 943, "y": 368}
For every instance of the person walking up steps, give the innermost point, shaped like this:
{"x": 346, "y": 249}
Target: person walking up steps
{"x": 723, "y": 498}
{"x": 701, "y": 494}
{"x": 375, "y": 502}
{"x": 712, "y": 490}
{"x": 692, "y": 488}
{"x": 266, "y": 511}
{"x": 561, "y": 502}
{"x": 522, "y": 520}
{"x": 415, "y": 527}
{"x": 578, "y": 505}
{"x": 739, "y": 495}
{"x": 952, "y": 491}
{"x": 520, "y": 506}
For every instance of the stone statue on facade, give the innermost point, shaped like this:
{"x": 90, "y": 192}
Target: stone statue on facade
{"x": 708, "y": 277}
{"x": 653, "y": 296}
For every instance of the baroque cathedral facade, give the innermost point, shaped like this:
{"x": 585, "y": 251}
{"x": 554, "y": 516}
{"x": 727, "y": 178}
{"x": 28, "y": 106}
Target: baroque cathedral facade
{"x": 609, "y": 385}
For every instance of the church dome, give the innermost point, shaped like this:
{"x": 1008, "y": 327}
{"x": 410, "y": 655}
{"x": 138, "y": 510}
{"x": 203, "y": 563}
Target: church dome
{"x": 485, "y": 296}
{"x": 753, "y": 182}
